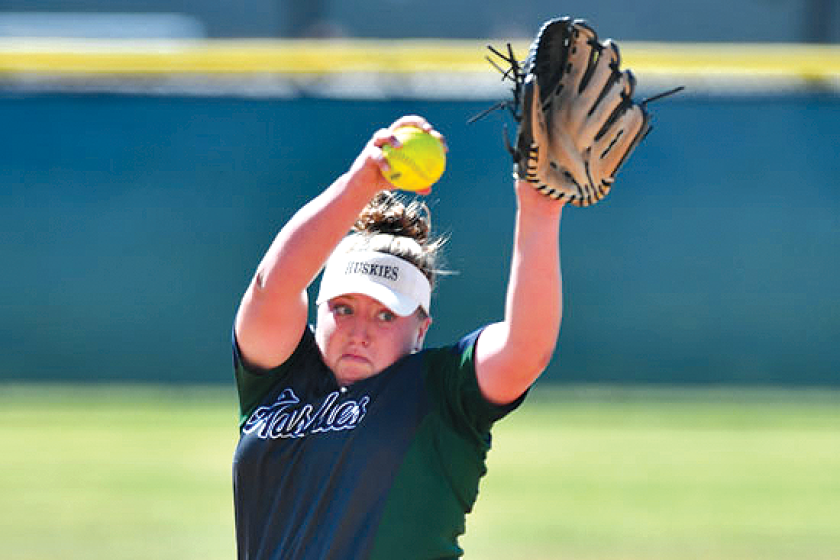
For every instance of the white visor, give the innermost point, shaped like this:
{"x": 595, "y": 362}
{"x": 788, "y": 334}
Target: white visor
{"x": 394, "y": 282}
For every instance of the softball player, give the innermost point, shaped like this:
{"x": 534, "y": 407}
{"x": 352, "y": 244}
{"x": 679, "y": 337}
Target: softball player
{"x": 355, "y": 442}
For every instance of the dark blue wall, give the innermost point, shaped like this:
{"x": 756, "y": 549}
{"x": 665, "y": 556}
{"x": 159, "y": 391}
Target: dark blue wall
{"x": 131, "y": 225}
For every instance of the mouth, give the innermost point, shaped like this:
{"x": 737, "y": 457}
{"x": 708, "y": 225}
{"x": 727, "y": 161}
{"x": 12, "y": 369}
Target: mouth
{"x": 353, "y": 366}
{"x": 352, "y": 357}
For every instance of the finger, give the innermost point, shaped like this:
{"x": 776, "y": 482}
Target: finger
{"x": 604, "y": 74}
{"x": 385, "y": 136}
{"x": 611, "y": 105}
{"x": 440, "y": 138}
{"x": 617, "y": 145}
{"x": 381, "y": 161}
{"x": 412, "y": 120}
{"x": 582, "y": 52}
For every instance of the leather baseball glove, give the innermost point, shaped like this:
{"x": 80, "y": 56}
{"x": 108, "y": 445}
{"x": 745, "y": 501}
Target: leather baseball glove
{"x": 577, "y": 122}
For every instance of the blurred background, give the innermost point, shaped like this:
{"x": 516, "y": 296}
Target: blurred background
{"x": 680, "y": 21}
{"x": 150, "y": 151}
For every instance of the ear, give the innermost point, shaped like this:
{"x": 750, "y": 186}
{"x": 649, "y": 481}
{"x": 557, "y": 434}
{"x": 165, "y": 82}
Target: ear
{"x": 422, "y": 329}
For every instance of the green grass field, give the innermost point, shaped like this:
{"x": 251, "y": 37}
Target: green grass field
{"x": 137, "y": 472}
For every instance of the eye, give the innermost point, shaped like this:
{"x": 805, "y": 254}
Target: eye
{"x": 342, "y": 309}
{"x": 386, "y": 316}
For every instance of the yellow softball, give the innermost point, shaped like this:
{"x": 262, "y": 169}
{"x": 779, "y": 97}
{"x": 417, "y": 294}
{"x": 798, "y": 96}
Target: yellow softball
{"x": 418, "y": 163}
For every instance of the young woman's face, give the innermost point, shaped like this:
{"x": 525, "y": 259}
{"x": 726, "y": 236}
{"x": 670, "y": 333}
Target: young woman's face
{"x": 359, "y": 337}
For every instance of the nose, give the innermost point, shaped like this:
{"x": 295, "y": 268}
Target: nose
{"x": 359, "y": 331}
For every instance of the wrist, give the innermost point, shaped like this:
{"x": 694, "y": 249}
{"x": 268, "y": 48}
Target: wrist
{"x": 531, "y": 201}
{"x": 362, "y": 182}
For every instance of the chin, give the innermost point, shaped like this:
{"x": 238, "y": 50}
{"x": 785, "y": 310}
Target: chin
{"x": 351, "y": 374}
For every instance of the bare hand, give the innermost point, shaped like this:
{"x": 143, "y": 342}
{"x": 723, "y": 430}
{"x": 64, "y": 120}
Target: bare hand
{"x": 371, "y": 166}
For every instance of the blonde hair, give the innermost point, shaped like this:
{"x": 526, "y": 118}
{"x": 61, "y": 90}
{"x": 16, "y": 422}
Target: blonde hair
{"x": 389, "y": 224}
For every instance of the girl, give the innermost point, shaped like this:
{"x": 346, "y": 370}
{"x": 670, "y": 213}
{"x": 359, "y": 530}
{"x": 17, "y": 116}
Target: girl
{"x": 355, "y": 442}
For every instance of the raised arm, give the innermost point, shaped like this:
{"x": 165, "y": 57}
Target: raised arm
{"x": 511, "y": 354}
{"x": 273, "y": 311}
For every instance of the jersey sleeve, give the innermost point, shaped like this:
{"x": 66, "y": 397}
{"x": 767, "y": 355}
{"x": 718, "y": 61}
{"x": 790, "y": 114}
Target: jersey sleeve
{"x": 453, "y": 382}
{"x": 253, "y": 384}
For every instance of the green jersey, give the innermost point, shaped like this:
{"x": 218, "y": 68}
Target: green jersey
{"x": 385, "y": 468}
